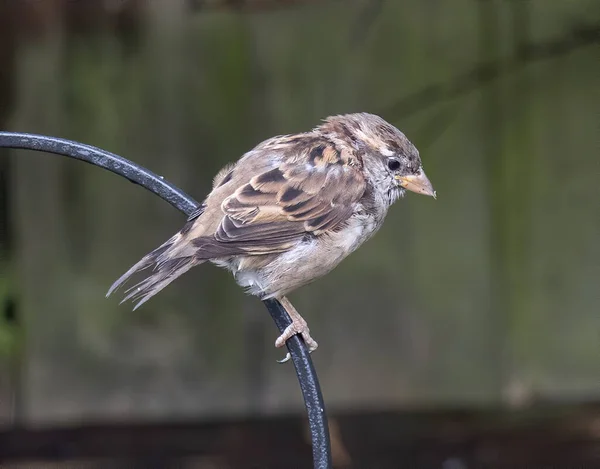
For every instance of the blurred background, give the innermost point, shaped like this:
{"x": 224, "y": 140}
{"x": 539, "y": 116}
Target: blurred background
{"x": 486, "y": 300}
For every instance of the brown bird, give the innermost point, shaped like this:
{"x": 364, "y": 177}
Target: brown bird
{"x": 289, "y": 210}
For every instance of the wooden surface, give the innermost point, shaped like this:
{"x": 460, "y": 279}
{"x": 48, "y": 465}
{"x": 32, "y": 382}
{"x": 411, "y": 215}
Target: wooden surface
{"x": 550, "y": 436}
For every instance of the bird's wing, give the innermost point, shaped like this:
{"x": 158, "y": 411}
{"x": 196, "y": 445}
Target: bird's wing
{"x": 312, "y": 192}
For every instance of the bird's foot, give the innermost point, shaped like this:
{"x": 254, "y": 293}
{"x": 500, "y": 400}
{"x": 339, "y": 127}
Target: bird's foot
{"x": 298, "y": 326}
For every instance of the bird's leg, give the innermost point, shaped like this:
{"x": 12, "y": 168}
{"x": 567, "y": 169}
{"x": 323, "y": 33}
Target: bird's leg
{"x": 298, "y": 326}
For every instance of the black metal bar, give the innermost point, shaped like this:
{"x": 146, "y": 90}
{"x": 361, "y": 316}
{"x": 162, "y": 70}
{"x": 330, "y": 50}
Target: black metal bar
{"x": 309, "y": 384}
{"x": 98, "y": 157}
{"x": 307, "y": 376}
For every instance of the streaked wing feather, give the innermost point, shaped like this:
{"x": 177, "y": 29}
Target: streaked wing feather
{"x": 310, "y": 194}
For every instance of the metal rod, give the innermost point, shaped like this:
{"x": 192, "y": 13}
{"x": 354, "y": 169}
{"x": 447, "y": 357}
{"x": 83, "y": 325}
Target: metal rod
{"x": 307, "y": 375}
{"x": 309, "y": 384}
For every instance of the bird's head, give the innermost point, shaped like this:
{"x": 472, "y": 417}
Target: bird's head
{"x": 390, "y": 161}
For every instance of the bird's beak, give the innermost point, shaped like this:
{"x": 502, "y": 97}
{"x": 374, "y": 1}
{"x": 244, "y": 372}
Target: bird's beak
{"x": 417, "y": 183}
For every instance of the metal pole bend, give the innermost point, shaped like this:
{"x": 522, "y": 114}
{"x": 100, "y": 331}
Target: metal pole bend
{"x": 307, "y": 375}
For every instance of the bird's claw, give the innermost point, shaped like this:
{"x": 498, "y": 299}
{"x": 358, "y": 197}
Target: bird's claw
{"x": 286, "y": 359}
{"x": 308, "y": 340}
{"x": 297, "y": 326}
{"x": 288, "y": 356}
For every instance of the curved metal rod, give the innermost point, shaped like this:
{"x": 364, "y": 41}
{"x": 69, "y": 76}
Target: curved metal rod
{"x": 307, "y": 376}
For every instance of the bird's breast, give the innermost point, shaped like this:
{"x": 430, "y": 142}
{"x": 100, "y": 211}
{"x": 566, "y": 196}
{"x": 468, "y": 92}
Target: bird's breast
{"x": 359, "y": 228}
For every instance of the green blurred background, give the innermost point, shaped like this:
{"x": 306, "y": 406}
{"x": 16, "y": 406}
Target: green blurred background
{"x": 488, "y": 296}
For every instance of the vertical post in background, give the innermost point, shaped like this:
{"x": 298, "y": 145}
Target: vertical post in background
{"x": 494, "y": 176}
{"x": 518, "y": 198}
{"x": 10, "y": 371}
{"x": 35, "y": 197}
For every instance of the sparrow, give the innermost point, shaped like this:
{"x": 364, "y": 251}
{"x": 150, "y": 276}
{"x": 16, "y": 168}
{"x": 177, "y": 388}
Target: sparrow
{"x": 290, "y": 210}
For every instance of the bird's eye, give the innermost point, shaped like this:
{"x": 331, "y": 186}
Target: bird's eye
{"x": 393, "y": 164}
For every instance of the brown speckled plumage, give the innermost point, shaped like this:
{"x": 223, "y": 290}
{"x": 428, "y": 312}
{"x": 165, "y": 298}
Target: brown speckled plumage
{"x": 288, "y": 211}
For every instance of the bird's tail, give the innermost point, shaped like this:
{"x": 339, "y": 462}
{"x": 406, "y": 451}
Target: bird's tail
{"x": 170, "y": 260}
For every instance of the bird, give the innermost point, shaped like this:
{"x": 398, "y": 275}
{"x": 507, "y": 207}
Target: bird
{"x": 290, "y": 210}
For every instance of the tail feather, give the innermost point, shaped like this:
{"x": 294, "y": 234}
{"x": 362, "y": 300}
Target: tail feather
{"x": 162, "y": 277}
{"x": 170, "y": 260}
{"x": 142, "y": 264}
